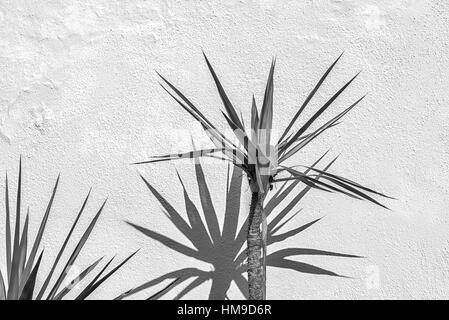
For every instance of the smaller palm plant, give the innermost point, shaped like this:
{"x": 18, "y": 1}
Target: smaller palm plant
{"x": 222, "y": 249}
{"x": 23, "y": 261}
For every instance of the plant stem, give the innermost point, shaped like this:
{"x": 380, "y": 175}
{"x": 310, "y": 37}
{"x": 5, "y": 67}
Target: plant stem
{"x": 256, "y": 277}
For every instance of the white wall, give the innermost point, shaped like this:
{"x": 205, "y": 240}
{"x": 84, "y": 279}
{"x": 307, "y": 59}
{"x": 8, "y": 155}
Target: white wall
{"x": 79, "y": 96}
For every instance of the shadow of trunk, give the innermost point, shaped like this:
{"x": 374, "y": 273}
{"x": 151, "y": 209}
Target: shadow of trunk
{"x": 220, "y": 286}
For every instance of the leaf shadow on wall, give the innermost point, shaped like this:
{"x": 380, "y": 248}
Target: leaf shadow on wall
{"x": 225, "y": 249}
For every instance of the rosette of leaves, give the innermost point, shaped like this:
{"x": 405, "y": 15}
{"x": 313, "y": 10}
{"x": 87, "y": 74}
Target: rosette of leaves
{"x": 24, "y": 257}
{"x": 265, "y": 162}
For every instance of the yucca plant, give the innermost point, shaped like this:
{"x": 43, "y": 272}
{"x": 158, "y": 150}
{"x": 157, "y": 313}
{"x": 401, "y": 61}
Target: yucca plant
{"x": 222, "y": 247}
{"x": 264, "y": 160}
{"x": 23, "y": 259}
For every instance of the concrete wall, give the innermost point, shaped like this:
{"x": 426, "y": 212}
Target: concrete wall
{"x": 79, "y": 96}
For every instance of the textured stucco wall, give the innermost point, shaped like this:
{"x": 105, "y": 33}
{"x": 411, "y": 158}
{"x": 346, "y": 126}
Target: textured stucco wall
{"x": 79, "y": 96}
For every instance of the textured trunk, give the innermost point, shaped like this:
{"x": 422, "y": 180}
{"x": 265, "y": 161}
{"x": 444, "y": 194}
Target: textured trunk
{"x": 256, "y": 269}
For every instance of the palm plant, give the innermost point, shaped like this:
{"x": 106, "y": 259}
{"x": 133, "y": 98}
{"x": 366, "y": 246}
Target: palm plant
{"x": 263, "y": 161}
{"x": 223, "y": 248}
{"x": 23, "y": 261}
